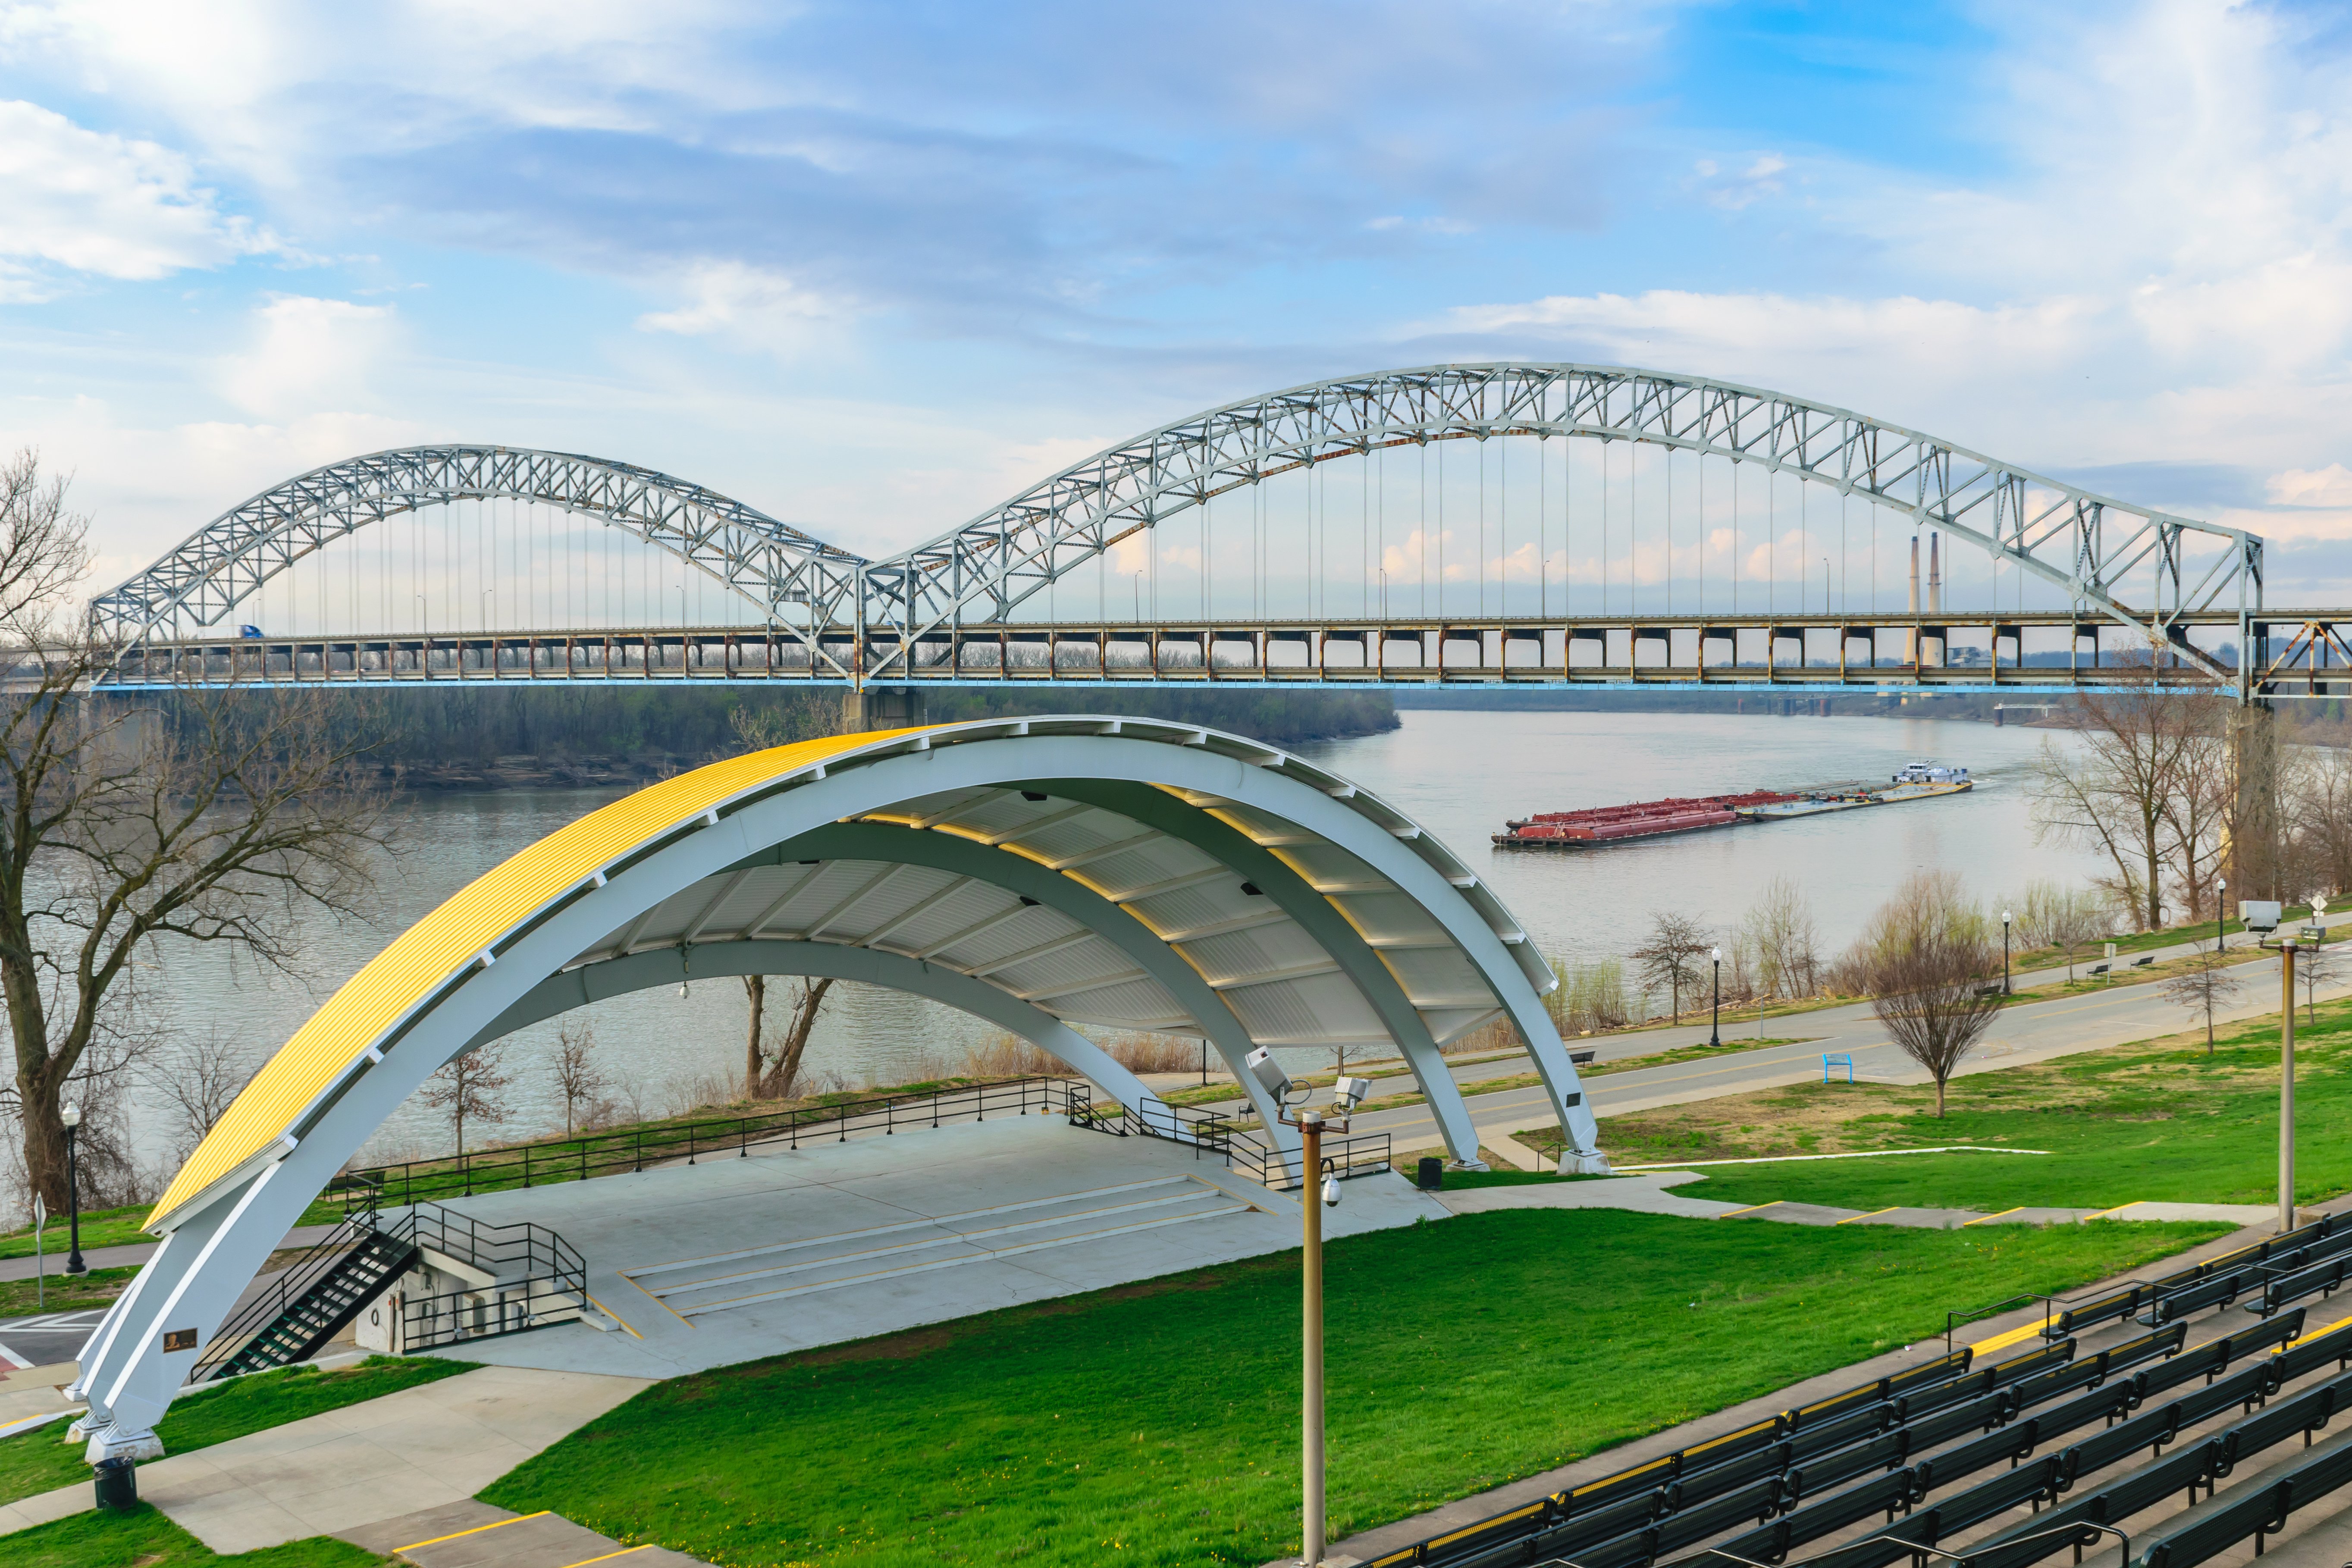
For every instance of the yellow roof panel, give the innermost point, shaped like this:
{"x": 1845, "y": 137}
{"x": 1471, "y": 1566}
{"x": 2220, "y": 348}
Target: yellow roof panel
{"x": 437, "y": 947}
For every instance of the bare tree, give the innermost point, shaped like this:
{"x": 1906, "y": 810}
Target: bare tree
{"x": 197, "y": 1078}
{"x": 213, "y": 817}
{"x": 776, "y": 1064}
{"x": 578, "y": 1076}
{"x": 771, "y": 1068}
{"x": 2315, "y": 966}
{"x": 1669, "y": 960}
{"x": 2321, "y": 812}
{"x": 2120, "y": 791}
{"x": 2206, "y": 984}
{"x": 2050, "y": 914}
{"x": 1925, "y": 961}
{"x": 471, "y": 1088}
{"x": 1786, "y": 942}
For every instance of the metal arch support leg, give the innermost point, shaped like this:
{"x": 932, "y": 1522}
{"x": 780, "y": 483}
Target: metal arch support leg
{"x": 914, "y": 846}
{"x": 1495, "y": 962}
{"x": 1298, "y": 899}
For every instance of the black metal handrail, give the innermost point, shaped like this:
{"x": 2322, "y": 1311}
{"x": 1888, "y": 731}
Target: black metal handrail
{"x": 290, "y": 1287}
{"x": 1239, "y": 1145}
{"x": 546, "y": 1162}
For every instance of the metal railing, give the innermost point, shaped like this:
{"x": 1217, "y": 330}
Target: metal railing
{"x": 523, "y": 1258}
{"x": 1240, "y": 1147}
{"x": 546, "y": 1162}
{"x": 291, "y": 1286}
{"x": 551, "y": 1286}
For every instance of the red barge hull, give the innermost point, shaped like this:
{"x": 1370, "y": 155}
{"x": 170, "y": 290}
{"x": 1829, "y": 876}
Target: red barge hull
{"x": 1640, "y": 819}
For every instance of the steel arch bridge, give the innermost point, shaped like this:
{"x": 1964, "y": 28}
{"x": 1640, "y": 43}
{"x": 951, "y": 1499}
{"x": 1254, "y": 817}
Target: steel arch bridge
{"x": 958, "y": 608}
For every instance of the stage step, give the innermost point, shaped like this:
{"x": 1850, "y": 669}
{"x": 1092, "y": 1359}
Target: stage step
{"x": 724, "y": 1281}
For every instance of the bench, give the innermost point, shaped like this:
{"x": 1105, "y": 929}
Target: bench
{"x": 2098, "y": 969}
{"x": 2143, "y": 963}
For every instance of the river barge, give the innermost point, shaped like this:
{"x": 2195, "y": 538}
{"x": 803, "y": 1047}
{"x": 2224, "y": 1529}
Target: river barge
{"x": 1693, "y": 814}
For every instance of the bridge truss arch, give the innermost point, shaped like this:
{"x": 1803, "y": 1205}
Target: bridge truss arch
{"x": 2077, "y": 539}
{"x": 798, "y": 580}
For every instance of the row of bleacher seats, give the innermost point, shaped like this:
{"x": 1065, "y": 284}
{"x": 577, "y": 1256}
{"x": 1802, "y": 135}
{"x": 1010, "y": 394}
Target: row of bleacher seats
{"x": 2310, "y": 1260}
{"x": 1780, "y": 1478}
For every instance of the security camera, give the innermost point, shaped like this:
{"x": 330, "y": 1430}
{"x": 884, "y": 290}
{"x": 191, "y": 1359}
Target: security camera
{"x": 1330, "y": 1191}
{"x": 1268, "y": 1073}
{"x": 1347, "y": 1093}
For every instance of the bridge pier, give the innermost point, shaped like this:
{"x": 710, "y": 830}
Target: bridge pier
{"x": 882, "y": 708}
{"x": 2254, "y": 863}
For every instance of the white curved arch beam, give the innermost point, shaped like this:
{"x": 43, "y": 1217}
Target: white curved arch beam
{"x": 439, "y": 985}
{"x": 200, "y": 581}
{"x": 2074, "y": 538}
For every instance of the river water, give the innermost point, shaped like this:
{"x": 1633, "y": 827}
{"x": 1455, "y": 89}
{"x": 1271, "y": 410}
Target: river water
{"x": 1460, "y": 773}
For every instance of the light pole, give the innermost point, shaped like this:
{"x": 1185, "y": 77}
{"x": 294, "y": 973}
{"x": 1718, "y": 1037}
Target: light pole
{"x": 2004, "y": 953}
{"x": 2286, "y": 1091}
{"x": 1715, "y": 1030}
{"x": 1311, "y": 1124}
{"x": 71, "y": 1117}
{"x": 2220, "y": 913}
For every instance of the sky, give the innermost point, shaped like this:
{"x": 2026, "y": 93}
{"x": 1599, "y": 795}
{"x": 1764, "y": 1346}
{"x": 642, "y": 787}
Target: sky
{"x": 874, "y": 267}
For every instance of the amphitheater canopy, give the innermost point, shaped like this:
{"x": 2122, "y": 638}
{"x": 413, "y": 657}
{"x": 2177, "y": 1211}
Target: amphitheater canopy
{"x": 1043, "y": 874}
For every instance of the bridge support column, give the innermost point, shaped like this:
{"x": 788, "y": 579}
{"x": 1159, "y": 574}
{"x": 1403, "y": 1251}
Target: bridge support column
{"x": 882, "y": 708}
{"x": 2254, "y": 840}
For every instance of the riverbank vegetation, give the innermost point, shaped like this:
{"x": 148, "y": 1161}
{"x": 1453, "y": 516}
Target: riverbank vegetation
{"x": 591, "y": 735}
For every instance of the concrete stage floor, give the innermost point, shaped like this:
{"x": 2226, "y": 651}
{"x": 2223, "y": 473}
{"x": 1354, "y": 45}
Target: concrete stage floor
{"x": 732, "y": 1259}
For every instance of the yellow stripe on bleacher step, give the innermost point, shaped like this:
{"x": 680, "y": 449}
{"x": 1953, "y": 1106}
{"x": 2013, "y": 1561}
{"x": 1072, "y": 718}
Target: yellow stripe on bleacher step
{"x": 2002, "y": 1342}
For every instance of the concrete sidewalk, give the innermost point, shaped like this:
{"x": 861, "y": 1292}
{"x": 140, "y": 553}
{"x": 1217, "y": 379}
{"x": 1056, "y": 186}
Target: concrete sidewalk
{"x": 422, "y": 1448}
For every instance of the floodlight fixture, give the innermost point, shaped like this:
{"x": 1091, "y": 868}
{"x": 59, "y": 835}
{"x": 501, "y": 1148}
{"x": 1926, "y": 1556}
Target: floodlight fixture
{"x": 2258, "y": 914}
{"x": 1260, "y": 1064}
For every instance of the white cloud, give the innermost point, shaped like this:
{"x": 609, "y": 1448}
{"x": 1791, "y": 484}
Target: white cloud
{"x": 750, "y": 307}
{"x": 94, "y": 203}
{"x": 312, "y": 356}
{"x": 2327, "y": 487}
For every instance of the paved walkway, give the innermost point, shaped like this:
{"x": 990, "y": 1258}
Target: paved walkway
{"x": 470, "y": 1534}
{"x": 422, "y": 1448}
{"x": 123, "y": 1256}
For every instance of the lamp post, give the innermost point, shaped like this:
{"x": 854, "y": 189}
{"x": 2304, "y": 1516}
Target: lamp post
{"x": 2220, "y": 913}
{"x": 2286, "y": 1091}
{"x": 2004, "y": 953}
{"x": 71, "y": 1117}
{"x": 1311, "y": 1125}
{"x": 1714, "y": 1031}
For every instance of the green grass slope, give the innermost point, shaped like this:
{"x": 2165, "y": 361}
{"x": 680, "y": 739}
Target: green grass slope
{"x": 1158, "y": 1423}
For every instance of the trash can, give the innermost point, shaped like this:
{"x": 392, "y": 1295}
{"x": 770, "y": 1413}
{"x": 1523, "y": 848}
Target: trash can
{"x": 1432, "y": 1174}
{"x": 117, "y": 1485}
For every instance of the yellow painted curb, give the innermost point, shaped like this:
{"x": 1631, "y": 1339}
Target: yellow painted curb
{"x": 1871, "y": 1215}
{"x": 1988, "y": 1218}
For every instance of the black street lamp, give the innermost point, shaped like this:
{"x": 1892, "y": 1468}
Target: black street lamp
{"x": 71, "y": 1117}
{"x": 2220, "y": 913}
{"x": 2004, "y": 953}
{"x": 1715, "y": 1033}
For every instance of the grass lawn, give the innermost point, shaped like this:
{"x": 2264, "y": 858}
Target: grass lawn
{"x": 106, "y": 1228}
{"x": 2158, "y": 1120}
{"x": 1158, "y": 1423}
{"x": 145, "y": 1539}
{"x": 43, "y": 1460}
{"x": 64, "y": 1292}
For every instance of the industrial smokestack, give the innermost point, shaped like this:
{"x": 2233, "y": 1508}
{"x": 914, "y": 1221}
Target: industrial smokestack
{"x": 1934, "y": 574}
{"x": 1911, "y": 637}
